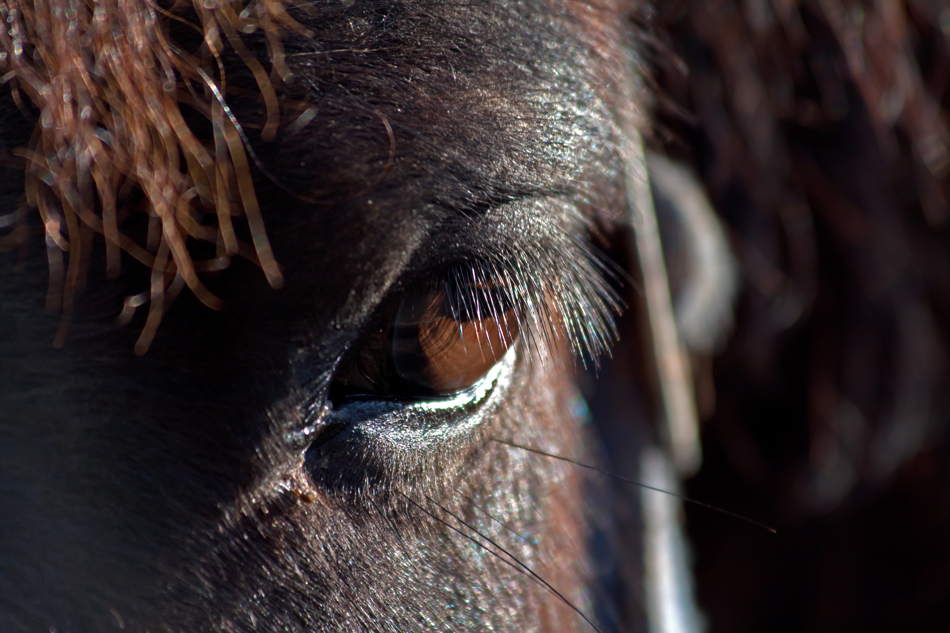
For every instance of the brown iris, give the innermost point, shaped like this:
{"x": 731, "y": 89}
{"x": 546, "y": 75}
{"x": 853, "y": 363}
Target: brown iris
{"x": 440, "y": 339}
{"x": 446, "y": 347}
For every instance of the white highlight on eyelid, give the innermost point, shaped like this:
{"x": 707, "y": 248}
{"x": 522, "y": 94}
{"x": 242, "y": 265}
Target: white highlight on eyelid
{"x": 499, "y": 374}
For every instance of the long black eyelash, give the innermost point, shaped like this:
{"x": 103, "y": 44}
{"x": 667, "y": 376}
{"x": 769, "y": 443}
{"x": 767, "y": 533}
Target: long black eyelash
{"x": 569, "y": 293}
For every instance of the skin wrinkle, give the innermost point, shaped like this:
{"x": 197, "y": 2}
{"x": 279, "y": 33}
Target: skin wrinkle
{"x": 177, "y": 486}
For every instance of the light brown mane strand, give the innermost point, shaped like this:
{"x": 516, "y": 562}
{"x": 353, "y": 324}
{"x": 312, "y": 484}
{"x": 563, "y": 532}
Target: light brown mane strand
{"x": 107, "y": 82}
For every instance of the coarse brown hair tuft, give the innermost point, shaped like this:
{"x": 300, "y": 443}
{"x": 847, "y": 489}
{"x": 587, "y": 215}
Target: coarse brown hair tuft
{"x": 107, "y": 81}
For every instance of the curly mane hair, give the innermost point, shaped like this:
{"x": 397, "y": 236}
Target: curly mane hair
{"x": 107, "y": 81}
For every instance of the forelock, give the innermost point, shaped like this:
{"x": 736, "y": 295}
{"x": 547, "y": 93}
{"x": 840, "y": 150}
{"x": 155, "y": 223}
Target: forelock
{"x": 107, "y": 82}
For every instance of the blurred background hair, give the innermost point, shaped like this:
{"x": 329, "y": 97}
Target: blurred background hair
{"x": 820, "y": 131}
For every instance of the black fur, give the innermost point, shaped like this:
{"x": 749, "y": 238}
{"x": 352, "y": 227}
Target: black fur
{"x": 210, "y": 485}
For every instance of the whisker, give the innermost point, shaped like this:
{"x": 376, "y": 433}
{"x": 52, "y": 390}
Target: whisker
{"x": 498, "y": 521}
{"x": 702, "y": 504}
{"x": 530, "y": 571}
{"x": 521, "y": 570}
{"x": 432, "y": 615}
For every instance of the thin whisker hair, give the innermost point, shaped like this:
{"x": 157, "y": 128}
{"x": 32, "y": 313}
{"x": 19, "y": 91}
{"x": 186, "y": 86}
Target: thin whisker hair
{"x": 520, "y": 568}
{"x": 514, "y": 558}
{"x": 520, "y": 536}
{"x": 696, "y": 502}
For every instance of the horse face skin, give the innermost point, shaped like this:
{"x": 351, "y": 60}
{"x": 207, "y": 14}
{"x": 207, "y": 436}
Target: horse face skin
{"x": 215, "y": 483}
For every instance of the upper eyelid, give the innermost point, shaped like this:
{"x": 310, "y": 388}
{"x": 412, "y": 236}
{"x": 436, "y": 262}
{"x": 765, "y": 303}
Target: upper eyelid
{"x": 405, "y": 283}
{"x": 540, "y": 245}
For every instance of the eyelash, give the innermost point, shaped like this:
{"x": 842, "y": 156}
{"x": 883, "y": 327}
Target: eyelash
{"x": 564, "y": 296}
{"x": 421, "y": 345}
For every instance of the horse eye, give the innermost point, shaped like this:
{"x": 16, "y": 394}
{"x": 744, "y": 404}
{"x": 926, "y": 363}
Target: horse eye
{"x": 440, "y": 338}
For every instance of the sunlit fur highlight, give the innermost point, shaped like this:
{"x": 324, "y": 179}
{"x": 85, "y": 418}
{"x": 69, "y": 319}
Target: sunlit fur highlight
{"x": 107, "y": 83}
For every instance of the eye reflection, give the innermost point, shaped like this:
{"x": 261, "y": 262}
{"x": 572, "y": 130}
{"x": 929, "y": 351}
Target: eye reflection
{"x": 445, "y": 343}
{"x": 440, "y": 339}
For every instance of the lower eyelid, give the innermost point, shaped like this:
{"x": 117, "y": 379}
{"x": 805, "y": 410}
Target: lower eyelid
{"x": 376, "y": 441}
{"x": 498, "y": 375}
